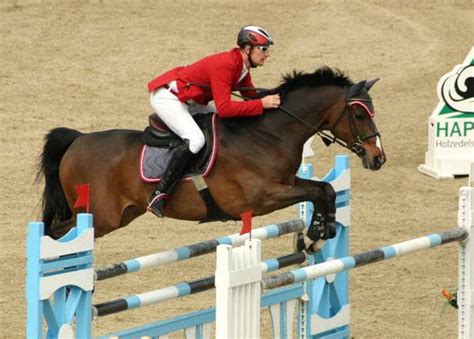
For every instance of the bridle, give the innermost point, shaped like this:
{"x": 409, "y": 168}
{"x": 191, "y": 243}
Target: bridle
{"x": 329, "y": 139}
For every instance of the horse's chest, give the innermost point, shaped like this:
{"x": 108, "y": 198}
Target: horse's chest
{"x": 283, "y": 166}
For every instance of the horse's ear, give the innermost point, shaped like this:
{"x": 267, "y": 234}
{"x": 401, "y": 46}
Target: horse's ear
{"x": 355, "y": 89}
{"x": 370, "y": 83}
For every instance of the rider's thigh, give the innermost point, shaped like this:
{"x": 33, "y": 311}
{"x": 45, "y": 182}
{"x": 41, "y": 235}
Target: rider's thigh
{"x": 176, "y": 116}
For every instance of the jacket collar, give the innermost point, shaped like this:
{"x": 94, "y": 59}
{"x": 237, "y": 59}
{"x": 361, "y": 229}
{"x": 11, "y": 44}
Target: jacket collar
{"x": 238, "y": 58}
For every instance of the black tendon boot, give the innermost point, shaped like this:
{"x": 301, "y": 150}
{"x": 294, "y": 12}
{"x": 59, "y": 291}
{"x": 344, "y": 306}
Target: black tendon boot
{"x": 173, "y": 173}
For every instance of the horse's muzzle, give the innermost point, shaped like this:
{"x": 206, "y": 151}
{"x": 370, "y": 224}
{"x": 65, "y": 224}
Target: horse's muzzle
{"x": 378, "y": 162}
{"x": 373, "y": 163}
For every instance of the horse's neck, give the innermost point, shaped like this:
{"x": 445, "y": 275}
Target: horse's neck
{"x": 285, "y": 129}
{"x": 310, "y": 105}
{"x": 276, "y": 131}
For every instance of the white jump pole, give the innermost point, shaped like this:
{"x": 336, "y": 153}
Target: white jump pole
{"x": 465, "y": 295}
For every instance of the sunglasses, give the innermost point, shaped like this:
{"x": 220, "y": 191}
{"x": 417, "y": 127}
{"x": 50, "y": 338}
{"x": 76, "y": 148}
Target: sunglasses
{"x": 264, "y": 49}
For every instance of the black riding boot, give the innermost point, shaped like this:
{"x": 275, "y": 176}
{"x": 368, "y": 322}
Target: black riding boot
{"x": 173, "y": 173}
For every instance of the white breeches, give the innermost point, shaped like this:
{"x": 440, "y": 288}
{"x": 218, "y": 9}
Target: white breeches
{"x": 178, "y": 116}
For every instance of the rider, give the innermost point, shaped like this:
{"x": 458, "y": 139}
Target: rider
{"x": 183, "y": 91}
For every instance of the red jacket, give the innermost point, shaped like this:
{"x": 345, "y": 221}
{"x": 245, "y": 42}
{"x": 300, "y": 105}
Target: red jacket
{"x": 220, "y": 72}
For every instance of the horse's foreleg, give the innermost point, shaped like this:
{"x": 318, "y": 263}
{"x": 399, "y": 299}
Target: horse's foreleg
{"x": 326, "y": 188}
{"x": 321, "y": 194}
{"x": 323, "y": 219}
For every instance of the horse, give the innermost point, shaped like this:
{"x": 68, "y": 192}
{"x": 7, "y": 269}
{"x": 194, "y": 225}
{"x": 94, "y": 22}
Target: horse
{"x": 255, "y": 169}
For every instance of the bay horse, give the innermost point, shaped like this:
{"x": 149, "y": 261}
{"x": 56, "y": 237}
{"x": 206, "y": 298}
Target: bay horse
{"x": 256, "y": 166}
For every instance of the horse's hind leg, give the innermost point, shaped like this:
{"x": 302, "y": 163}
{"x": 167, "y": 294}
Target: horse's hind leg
{"x": 103, "y": 224}
{"x": 106, "y": 213}
{"x": 129, "y": 213}
{"x": 105, "y": 221}
{"x": 58, "y": 230}
{"x": 114, "y": 215}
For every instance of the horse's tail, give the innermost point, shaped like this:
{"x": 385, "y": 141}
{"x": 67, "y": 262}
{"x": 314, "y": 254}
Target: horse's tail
{"x": 54, "y": 204}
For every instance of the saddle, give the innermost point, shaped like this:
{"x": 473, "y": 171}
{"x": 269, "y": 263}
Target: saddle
{"x": 159, "y": 143}
{"x": 157, "y": 134}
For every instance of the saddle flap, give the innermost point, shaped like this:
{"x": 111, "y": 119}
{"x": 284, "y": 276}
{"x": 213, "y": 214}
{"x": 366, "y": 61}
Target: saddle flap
{"x": 156, "y": 123}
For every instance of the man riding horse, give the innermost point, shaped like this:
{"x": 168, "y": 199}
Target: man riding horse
{"x": 255, "y": 159}
{"x": 183, "y": 91}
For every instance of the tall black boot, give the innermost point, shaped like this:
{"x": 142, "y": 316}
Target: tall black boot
{"x": 173, "y": 173}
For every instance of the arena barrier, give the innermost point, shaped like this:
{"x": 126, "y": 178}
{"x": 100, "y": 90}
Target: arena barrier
{"x": 239, "y": 283}
{"x": 61, "y": 277}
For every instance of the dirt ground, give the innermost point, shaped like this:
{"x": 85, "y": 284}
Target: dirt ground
{"x": 85, "y": 65}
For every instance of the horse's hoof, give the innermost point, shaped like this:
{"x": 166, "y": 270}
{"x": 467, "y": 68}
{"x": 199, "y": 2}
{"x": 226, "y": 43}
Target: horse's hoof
{"x": 322, "y": 227}
{"x": 331, "y": 232}
{"x": 316, "y": 246}
{"x": 310, "y": 246}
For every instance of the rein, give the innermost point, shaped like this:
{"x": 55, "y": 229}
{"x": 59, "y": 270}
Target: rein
{"x": 328, "y": 139}
{"x": 257, "y": 89}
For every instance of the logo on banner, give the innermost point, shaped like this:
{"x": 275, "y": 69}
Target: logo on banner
{"x": 451, "y": 124}
{"x": 456, "y": 92}
{"x": 456, "y": 89}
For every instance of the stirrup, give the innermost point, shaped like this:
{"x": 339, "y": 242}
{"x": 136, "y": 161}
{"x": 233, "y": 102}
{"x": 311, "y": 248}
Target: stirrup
{"x": 157, "y": 204}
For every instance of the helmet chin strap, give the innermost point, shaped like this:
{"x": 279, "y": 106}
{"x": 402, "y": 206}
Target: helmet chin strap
{"x": 252, "y": 65}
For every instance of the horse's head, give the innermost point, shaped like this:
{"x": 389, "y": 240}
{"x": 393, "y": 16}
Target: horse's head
{"x": 355, "y": 126}
{"x": 327, "y": 100}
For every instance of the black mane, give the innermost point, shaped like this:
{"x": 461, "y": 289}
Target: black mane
{"x": 324, "y": 76}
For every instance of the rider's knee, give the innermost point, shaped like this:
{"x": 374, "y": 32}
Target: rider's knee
{"x": 196, "y": 143}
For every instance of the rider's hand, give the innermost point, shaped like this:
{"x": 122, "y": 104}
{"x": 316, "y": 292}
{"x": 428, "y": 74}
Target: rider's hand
{"x": 271, "y": 101}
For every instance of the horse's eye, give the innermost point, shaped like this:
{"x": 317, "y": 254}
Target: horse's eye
{"x": 360, "y": 115}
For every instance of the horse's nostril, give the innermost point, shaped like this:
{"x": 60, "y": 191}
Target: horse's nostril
{"x": 378, "y": 162}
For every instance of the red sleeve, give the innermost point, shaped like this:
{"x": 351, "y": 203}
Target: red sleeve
{"x": 247, "y": 82}
{"x": 221, "y": 83}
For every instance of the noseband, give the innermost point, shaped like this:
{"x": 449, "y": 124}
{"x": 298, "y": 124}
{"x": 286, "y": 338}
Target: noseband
{"x": 329, "y": 139}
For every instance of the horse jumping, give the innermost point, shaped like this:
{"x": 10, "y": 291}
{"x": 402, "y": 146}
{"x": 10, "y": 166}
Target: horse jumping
{"x": 255, "y": 169}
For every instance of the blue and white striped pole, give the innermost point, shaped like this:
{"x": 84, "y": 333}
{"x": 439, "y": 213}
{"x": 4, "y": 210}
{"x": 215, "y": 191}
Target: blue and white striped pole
{"x": 365, "y": 258}
{"x": 186, "y": 288}
{"x": 194, "y": 250}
